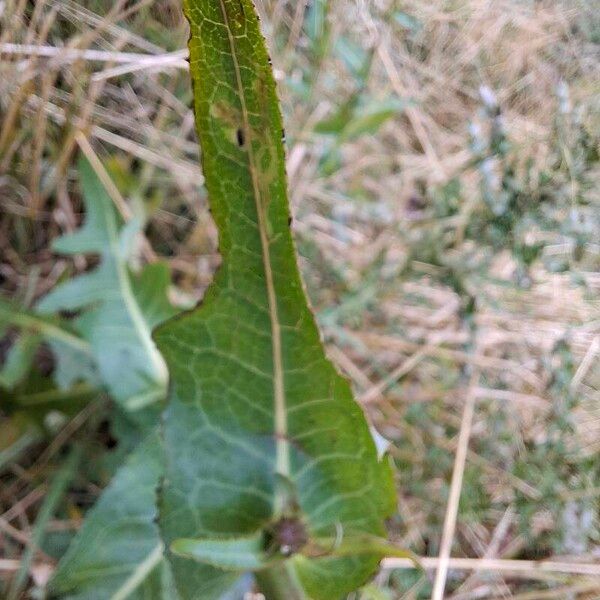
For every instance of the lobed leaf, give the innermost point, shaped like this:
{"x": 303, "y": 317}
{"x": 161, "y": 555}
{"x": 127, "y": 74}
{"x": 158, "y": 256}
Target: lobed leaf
{"x": 73, "y": 355}
{"x": 117, "y": 309}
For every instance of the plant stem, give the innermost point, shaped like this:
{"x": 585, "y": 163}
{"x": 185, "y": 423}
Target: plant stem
{"x": 280, "y": 583}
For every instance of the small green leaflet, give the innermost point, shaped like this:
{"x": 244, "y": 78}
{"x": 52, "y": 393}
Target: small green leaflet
{"x": 118, "y": 309}
{"x": 236, "y": 554}
{"x": 260, "y": 428}
{"x": 354, "y": 119}
{"x": 74, "y": 358}
{"x": 19, "y": 359}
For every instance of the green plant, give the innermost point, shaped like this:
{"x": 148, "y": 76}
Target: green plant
{"x": 270, "y": 465}
{"x": 430, "y": 258}
{"x": 94, "y": 331}
{"x": 266, "y": 464}
{"x": 108, "y": 343}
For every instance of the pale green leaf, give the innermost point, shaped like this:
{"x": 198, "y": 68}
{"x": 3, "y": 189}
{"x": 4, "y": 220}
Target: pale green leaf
{"x": 369, "y": 119}
{"x": 254, "y": 402}
{"x": 73, "y": 355}
{"x": 19, "y": 360}
{"x": 73, "y": 366}
{"x": 407, "y": 21}
{"x": 118, "y": 552}
{"x": 237, "y": 554}
{"x": 118, "y": 309}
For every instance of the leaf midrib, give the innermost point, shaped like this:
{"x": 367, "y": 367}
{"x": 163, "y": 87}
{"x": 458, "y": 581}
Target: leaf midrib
{"x": 140, "y": 573}
{"x": 131, "y": 304}
{"x": 282, "y": 458}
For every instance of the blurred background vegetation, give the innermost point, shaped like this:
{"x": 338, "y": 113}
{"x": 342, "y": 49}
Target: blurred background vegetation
{"x": 443, "y": 162}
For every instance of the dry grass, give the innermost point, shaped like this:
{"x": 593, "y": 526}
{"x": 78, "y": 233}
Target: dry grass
{"x": 421, "y": 306}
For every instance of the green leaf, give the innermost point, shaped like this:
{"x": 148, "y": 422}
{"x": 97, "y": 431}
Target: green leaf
{"x": 354, "y": 55}
{"x": 316, "y": 27}
{"x": 73, "y": 355}
{"x": 118, "y": 552}
{"x": 352, "y": 120}
{"x": 237, "y": 554}
{"x": 73, "y": 366}
{"x": 118, "y": 309}
{"x": 19, "y": 360}
{"x": 368, "y": 119}
{"x": 48, "y": 326}
{"x": 407, "y": 21}
{"x": 260, "y": 426}
{"x": 335, "y": 124}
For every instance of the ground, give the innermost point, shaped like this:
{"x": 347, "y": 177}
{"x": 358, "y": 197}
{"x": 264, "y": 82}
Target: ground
{"x": 443, "y": 164}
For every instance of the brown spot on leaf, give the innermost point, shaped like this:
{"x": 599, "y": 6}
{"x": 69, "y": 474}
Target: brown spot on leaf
{"x": 241, "y": 137}
{"x": 289, "y": 535}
